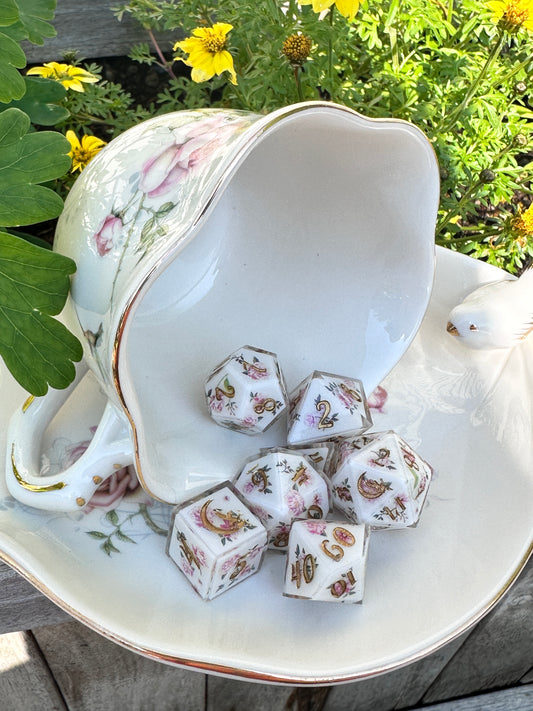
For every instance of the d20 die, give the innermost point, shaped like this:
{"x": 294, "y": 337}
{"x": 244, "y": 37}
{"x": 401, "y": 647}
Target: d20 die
{"x": 326, "y": 560}
{"x": 381, "y": 481}
{"x": 280, "y": 486}
{"x": 325, "y": 406}
{"x": 246, "y": 392}
{"x": 216, "y": 541}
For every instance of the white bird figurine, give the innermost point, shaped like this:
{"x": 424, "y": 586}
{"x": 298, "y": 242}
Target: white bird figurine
{"x": 496, "y": 315}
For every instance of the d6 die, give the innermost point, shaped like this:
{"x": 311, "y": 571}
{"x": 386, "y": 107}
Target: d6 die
{"x": 216, "y": 541}
{"x": 246, "y": 392}
{"x": 325, "y": 406}
{"x": 326, "y": 560}
{"x": 280, "y": 486}
{"x": 381, "y": 481}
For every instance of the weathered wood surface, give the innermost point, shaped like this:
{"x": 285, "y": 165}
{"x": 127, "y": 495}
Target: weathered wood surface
{"x": 91, "y": 30}
{"x": 22, "y": 606}
{"x": 70, "y": 667}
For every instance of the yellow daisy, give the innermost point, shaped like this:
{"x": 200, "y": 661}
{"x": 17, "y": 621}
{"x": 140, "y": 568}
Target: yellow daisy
{"x": 83, "y": 151}
{"x": 511, "y": 15}
{"x": 70, "y": 76}
{"x": 207, "y": 52}
{"x": 523, "y": 221}
{"x": 347, "y": 8}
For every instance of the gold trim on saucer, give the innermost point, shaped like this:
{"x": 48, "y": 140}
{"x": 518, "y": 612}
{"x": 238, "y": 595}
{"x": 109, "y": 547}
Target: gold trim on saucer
{"x": 32, "y": 487}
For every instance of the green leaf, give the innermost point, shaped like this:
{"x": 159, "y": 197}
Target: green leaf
{"x": 96, "y": 534}
{"x": 123, "y": 537}
{"x": 25, "y": 160}
{"x": 33, "y": 19}
{"x": 112, "y": 517}
{"x": 12, "y": 58}
{"x": 40, "y": 101}
{"x": 34, "y": 283}
{"x": 30, "y": 238}
{"x": 109, "y": 548}
{"x": 8, "y": 12}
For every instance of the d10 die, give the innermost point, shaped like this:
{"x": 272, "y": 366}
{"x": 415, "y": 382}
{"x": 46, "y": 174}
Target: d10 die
{"x": 325, "y": 406}
{"x": 216, "y": 541}
{"x": 246, "y": 392}
{"x": 281, "y": 486}
{"x": 381, "y": 481}
{"x": 326, "y": 560}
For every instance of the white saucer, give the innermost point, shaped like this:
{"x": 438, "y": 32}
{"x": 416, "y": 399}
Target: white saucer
{"x": 468, "y": 413}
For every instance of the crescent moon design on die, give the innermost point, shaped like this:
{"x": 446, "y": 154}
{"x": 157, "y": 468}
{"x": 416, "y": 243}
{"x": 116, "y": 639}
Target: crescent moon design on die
{"x": 370, "y": 488}
{"x": 235, "y": 522}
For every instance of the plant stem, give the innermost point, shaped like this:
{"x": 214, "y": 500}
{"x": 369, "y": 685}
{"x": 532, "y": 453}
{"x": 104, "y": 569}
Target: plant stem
{"x": 330, "y": 53}
{"x": 449, "y": 13}
{"x": 166, "y": 66}
{"x": 297, "y": 69}
{"x": 468, "y": 238}
{"x": 452, "y": 118}
{"x": 456, "y": 210}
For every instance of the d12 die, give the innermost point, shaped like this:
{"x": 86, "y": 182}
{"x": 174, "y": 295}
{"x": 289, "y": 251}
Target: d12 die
{"x": 246, "y": 392}
{"x": 326, "y": 560}
{"x": 280, "y": 486}
{"x": 325, "y": 406}
{"x": 216, "y": 541}
{"x": 381, "y": 481}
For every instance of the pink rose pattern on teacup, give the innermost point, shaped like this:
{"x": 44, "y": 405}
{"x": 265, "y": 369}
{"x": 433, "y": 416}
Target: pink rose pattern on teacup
{"x": 111, "y": 491}
{"x": 162, "y": 172}
{"x": 377, "y": 399}
{"x": 138, "y": 219}
{"x": 108, "y": 234}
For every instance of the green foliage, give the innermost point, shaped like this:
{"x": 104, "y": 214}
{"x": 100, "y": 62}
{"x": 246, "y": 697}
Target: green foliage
{"x": 41, "y": 101}
{"x": 27, "y": 159}
{"x": 34, "y": 283}
{"x": 445, "y": 66}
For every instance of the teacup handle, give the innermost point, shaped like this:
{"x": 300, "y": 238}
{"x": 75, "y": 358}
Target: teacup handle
{"x": 110, "y": 449}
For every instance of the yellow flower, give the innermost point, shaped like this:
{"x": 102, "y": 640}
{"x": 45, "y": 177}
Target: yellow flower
{"x": 522, "y": 222}
{"x": 207, "y": 52}
{"x": 71, "y": 77}
{"x": 347, "y": 8}
{"x": 83, "y": 151}
{"x": 511, "y": 15}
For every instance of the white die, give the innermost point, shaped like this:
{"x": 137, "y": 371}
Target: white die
{"x": 280, "y": 486}
{"x": 246, "y": 392}
{"x": 326, "y": 560}
{"x": 216, "y": 541}
{"x": 325, "y": 406}
{"x": 380, "y": 481}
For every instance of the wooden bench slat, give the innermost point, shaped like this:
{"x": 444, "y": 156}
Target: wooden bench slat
{"x": 25, "y": 680}
{"x": 498, "y": 653}
{"x": 92, "y": 30}
{"x": 95, "y": 674}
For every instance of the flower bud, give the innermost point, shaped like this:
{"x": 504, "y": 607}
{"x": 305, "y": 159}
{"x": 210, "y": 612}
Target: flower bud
{"x": 520, "y": 141}
{"x": 487, "y": 175}
{"x": 297, "y": 48}
{"x": 520, "y": 87}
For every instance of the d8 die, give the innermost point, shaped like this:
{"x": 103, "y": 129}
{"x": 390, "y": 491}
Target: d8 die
{"x": 325, "y": 406}
{"x": 246, "y": 392}
{"x": 216, "y": 541}
{"x": 381, "y": 481}
{"x": 281, "y": 486}
{"x": 326, "y": 560}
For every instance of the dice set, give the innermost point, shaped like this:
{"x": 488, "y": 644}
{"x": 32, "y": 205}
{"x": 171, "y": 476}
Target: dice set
{"x": 282, "y": 496}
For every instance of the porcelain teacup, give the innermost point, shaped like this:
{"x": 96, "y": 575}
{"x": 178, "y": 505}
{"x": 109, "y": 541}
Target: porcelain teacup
{"x": 307, "y": 232}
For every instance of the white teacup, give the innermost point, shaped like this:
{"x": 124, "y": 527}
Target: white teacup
{"x": 308, "y": 232}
